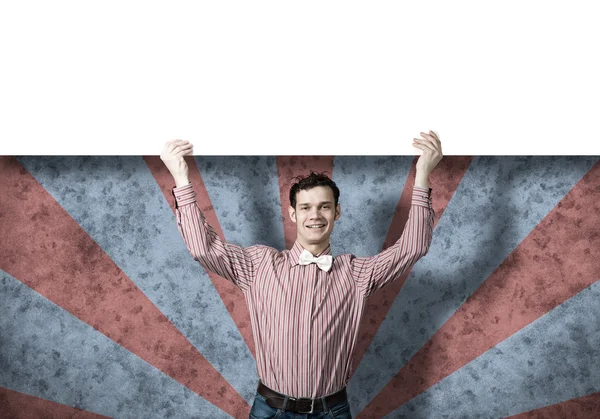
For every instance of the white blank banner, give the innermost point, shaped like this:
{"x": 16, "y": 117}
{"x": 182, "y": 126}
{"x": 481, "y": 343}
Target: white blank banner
{"x": 310, "y": 78}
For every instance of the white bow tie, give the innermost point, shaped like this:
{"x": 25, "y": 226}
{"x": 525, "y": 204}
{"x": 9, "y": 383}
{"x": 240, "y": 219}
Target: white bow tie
{"x": 323, "y": 262}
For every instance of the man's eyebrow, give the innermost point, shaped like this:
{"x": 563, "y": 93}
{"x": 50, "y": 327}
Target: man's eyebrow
{"x": 320, "y": 203}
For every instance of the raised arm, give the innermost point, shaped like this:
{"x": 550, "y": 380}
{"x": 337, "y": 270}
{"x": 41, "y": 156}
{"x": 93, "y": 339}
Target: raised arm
{"x": 227, "y": 260}
{"x": 373, "y": 273}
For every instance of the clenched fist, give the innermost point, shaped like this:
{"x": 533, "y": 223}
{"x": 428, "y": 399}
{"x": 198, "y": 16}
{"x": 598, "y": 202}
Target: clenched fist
{"x": 172, "y": 157}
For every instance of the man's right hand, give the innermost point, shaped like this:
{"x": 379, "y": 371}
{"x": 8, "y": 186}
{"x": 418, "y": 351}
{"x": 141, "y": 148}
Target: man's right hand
{"x": 172, "y": 156}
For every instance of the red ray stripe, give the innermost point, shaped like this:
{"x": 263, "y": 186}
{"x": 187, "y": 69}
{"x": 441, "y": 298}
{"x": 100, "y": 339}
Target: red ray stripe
{"x": 443, "y": 181}
{"x": 287, "y": 168}
{"x": 553, "y": 263}
{"x": 49, "y": 252}
{"x": 16, "y": 405}
{"x": 585, "y": 407}
{"x": 230, "y": 294}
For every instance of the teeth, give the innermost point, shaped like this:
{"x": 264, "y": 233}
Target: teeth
{"x": 316, "y": 226}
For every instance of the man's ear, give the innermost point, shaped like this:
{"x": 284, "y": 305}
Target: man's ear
{"x": 338, "y": 212}
{"x": 292, "y": 212}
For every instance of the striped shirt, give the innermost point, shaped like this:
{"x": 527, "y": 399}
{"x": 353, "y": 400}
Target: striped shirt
{"x": 304, "y": 320}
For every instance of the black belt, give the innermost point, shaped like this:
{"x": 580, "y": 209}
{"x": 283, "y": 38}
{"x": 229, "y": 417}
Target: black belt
{"x": 301, "y": 405}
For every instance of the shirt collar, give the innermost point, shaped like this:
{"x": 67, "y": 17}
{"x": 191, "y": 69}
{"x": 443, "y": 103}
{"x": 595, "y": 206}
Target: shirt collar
{"x": 297, "y": 249}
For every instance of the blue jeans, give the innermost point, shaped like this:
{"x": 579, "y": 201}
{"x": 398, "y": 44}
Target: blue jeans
{"x": 261, "y": 410}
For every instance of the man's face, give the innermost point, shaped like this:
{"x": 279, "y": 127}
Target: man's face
{"x": 314, "y": 215}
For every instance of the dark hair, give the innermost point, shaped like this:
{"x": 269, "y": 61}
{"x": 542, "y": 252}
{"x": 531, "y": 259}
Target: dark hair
{"x": 309, "y": 182}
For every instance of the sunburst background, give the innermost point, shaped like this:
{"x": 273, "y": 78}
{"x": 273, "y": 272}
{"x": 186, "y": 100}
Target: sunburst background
{"x": 103, "y": 312}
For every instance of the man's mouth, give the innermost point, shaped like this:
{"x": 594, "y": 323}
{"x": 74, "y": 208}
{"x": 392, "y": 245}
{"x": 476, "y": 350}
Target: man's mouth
{"x": 316, "y": 226}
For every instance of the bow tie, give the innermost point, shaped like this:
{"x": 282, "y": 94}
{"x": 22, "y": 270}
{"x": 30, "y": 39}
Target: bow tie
{"x": 323, "y": 262}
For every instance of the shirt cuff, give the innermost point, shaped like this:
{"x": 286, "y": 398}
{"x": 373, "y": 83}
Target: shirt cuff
{"x": 421, "y": 196}
{"x": 184, "y": 195}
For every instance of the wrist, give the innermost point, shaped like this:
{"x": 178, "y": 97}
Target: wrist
{"x": 422, "y": 180}
{"x": 181, "y": 181}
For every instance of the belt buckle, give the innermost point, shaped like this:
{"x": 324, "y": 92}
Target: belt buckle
{"x": 312, "y": 405}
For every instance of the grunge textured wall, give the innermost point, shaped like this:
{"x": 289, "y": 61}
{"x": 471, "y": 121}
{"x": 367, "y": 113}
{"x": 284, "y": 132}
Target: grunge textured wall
{"x": 103, "y": 312}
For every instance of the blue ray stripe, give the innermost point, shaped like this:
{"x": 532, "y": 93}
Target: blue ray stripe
{"x": 370, "y": 188}
{"x": 553, "y": 359}
{"x": 47, "y": 352}
{"x": 497, "y": 204}
{"x": 244, "y": 192}
{"x": 118, "y": 203}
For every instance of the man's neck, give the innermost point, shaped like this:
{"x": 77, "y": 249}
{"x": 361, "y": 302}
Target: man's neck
{"x": 315, "y": 249}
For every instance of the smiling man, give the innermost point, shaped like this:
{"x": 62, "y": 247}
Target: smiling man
{"x": 314, "y": 208}
{"x": 305, "y": 306}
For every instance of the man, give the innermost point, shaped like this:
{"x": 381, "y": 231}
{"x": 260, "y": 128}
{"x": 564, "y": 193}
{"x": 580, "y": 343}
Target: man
{"x": 305, "y": 306}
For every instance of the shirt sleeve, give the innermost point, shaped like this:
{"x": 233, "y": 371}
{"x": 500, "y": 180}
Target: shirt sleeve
{"x": 230, "y": 261}
{"x": 375, "y": 272}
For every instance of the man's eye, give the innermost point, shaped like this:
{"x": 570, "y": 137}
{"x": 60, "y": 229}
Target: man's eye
{"x": 326, "y": 206}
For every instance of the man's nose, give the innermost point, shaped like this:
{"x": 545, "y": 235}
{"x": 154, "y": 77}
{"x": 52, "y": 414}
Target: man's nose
{"x": 313, "y": 213}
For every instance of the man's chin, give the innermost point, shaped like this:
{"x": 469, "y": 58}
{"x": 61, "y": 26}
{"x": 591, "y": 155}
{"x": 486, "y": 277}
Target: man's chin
{"x": 317, "y": 240}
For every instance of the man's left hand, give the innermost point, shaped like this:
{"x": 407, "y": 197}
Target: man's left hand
{"x": 432, "y": 152}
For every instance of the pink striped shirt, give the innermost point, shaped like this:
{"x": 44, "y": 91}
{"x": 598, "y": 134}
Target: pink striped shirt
{"x": 304, "y": 320}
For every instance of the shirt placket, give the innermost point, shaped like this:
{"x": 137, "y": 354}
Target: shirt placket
{"x": 316, "y": 276}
